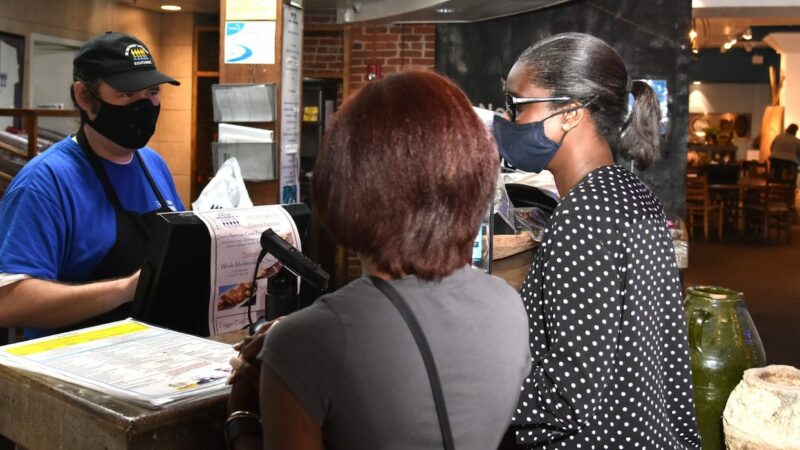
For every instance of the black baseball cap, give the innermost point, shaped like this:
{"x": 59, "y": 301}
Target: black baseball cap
{"x": 120, "y": 60}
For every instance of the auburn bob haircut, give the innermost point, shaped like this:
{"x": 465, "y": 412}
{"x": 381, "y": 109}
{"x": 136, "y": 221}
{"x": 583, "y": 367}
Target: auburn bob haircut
{"x": 405, "y": 174}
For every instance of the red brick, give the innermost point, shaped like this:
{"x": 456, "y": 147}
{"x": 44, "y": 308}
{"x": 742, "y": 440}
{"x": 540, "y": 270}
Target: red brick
{"x": 412, "y": 54}
{"x": 412, "y": 37}
{"x": 427, "y": 62}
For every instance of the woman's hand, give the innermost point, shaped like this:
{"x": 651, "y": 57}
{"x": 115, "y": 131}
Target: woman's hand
{"x": 246, "y": 373}
{"x": 246, "y": 364}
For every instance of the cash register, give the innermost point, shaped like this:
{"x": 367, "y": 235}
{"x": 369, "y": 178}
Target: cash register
{"x": 174, "y": 284}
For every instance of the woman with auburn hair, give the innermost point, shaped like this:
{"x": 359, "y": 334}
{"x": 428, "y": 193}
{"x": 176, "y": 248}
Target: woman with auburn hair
{"x": 404, "y": 176}
{"x": 610, "y": 361}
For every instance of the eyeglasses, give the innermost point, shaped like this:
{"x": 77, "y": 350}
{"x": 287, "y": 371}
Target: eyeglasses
{"x": 512, "y": 102}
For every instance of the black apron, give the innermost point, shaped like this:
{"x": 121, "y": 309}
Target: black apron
{"x": 132, "y": 234}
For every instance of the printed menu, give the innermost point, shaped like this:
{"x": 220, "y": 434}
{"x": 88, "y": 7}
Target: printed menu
{"x": 235, "y": 247}
{"x": 144, "y": 364}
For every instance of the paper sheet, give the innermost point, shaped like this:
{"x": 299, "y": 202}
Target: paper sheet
{"x": 144, "y": 364}
{"x": 235, "y": 245}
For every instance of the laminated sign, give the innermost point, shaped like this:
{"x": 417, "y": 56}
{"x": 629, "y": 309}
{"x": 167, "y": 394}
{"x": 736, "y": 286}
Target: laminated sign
{"x": 250, "y": 42}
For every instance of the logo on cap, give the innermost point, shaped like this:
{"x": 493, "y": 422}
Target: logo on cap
{"x": 138, "y": 54}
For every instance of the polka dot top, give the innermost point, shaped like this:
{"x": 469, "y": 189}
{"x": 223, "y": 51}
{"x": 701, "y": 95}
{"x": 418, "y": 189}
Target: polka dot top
{"x": 610, "y": 363}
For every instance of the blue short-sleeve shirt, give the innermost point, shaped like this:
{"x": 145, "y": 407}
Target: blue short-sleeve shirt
{"x": 56, "y": 222}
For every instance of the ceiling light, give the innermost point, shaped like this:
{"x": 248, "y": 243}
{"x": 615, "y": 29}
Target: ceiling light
{"x": 693, "y": 34}
{"x": 695, "y": 50}
{"x": 747, "y": 35}
{"x": 445, "y": 10}
{"x": 171, "y": 7}
{"x": 697, "y": 83}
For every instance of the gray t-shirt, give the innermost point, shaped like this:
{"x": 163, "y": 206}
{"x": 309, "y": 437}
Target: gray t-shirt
{"x": 353, "y": 364}
{"x": 786, "y": 146}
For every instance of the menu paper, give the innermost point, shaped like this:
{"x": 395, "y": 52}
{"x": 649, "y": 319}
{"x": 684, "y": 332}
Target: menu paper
{"x": 144, "y": 364}
{"x": 235, "y": 245}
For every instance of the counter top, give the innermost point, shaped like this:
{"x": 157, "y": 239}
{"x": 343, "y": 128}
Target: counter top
{"x": 40, "y": 412}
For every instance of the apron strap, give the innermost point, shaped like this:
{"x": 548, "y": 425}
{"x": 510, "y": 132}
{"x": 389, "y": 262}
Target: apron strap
{"x": 101, "y": 173}
{"x": 160, "y": 197}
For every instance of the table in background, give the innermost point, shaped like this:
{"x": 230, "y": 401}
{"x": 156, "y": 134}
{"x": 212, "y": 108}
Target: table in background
{"x": 41, "y": 412}
{"x": 732, "y": 197}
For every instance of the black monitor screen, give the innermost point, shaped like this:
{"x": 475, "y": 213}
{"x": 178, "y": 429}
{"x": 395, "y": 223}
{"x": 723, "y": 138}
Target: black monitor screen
{"x": 174, "y": 285}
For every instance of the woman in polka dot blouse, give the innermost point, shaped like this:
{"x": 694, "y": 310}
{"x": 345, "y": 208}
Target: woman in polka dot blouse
{"x": 610, "y": 364}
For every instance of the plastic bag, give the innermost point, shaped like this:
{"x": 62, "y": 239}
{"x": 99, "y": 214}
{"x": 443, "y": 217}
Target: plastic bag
{"x": 225, "y": 190}
{"x": 532, "y": 220}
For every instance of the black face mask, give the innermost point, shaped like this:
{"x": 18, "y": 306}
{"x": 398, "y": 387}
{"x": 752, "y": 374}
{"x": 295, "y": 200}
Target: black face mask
{"x": 524, "y": 145}
{"x": 129, "y": 126}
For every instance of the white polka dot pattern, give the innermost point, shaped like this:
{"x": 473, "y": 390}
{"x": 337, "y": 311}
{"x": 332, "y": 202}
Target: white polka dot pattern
{"x": 610, "y": 364}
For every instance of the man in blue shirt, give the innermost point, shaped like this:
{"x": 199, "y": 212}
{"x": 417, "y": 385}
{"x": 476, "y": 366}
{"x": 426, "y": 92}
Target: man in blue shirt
{"x": 74, "y": 221}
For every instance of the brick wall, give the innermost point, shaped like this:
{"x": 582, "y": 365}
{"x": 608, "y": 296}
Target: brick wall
{"x": 393, "y": 48}
{"x": 322, "y": 50}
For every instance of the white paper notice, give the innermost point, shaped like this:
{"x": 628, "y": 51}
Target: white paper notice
{"x": 250, "y": 42}
{"x": 142, "y": 363}
{"x": 235, "y": 245}
{"x": 291, "y": 101}
{"x": 250, "y": 9}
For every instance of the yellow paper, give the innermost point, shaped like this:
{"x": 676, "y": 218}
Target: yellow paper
{"x": 250, "y": 10}
{"x": 75, "y": 339}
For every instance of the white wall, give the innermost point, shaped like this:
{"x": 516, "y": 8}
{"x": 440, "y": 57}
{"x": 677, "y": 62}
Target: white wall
{"x": 50, "y": 76}
{"x": 736, "y": 98}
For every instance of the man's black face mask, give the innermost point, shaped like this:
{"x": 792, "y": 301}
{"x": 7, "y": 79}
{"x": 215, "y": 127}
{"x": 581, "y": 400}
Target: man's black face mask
{"x": 130, "y": 126}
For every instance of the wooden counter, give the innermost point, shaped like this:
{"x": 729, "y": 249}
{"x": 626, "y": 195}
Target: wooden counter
{"x": 40, "y": 412}
{"x": 514, "y": 268}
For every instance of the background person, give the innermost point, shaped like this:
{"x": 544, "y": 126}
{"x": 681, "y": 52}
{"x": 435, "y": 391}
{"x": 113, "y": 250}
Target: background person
{"x": 73, "y": 221}
{"x": 608, "y": 337}
{"x": 785, "y": 153}
{"x": 346, "y": 372}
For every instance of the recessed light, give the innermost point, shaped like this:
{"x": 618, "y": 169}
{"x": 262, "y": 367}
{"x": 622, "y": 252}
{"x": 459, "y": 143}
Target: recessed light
{"x": 445, "y": 10}
{"x": 697, "y": 83}
{"x": 171, "y": 7}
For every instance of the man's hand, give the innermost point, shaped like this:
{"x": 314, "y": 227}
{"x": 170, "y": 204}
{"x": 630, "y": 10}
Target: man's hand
{"x": 49, "y": 304}
{"x": 129, "y": 287}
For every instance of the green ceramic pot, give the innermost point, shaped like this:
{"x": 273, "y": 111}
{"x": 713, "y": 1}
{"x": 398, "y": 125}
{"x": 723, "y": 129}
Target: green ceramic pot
{"x": 723, "y": 343}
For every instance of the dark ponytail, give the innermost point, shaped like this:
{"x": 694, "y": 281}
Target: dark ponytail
{"x": 586, "y": 69}
{"x": 640, "y": 140}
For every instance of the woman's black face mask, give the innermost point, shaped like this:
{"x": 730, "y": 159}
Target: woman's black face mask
{"x": 130, "y": 126}
{"x": 526, "y": 146}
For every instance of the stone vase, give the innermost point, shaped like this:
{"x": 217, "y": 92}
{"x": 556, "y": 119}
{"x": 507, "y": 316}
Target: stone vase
{"x": 763, "y": 412}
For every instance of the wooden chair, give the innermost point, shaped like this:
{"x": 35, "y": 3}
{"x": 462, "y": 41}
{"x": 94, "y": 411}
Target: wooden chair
{"x": 700, "y": 209}
{"x": 754, "y": 169}
{"x": 771, "y": 207}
